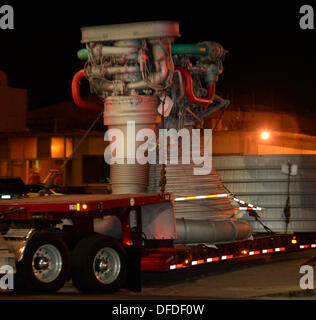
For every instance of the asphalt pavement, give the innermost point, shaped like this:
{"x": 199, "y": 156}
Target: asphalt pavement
{"x": 277, "y": 277}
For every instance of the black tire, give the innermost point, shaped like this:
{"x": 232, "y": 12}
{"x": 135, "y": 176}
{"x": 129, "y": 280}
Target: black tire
{"x": 26, "y": 278}
{"x": 84, "y": 264}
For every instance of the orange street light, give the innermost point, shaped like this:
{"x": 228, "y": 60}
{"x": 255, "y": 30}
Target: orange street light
{"x": 265, "y": 135}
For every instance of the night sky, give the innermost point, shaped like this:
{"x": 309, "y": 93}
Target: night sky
{"x": 269, "y": 55}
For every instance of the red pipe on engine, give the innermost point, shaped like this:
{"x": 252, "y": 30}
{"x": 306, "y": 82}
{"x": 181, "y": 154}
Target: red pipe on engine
{"x": 75, "y": 89}
{"x": 189, "y": 88}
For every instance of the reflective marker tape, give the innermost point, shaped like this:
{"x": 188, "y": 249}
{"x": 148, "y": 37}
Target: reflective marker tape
{"x": 248, "y": 208}
{"x": 227, "y": 257}
{"x": 246, "y": 204}
{"x": 202, "y": 197}
{"x": 304, "y": 246}
{"x": 251, "y": 253}
{"x": 267, "y": 250}
{"x": 197, "y": 262}
{"x": 212, "y": 259}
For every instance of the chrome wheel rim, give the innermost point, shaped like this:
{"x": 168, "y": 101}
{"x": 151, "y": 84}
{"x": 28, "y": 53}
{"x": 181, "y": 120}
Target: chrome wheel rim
{"x": 47, "y": 263}
{"x": 107, "y": 265}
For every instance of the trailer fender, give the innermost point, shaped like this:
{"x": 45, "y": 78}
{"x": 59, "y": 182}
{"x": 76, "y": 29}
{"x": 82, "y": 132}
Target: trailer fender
{"x": 17, "y": 239}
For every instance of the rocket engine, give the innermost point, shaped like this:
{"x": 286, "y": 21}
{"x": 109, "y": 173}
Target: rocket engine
{"x": 146, "y": 82}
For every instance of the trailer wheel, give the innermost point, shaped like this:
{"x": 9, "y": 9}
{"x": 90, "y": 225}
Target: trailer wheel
{"x": 99, "y": 264}
{"x": 45, "y": 266}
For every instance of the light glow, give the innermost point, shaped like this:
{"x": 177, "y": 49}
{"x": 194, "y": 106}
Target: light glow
{"x": 265, "y": 135}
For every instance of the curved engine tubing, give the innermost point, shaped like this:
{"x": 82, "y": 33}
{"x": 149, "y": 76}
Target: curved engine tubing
{"x": 75, "y": 89}
{"x": 189, "y": 89}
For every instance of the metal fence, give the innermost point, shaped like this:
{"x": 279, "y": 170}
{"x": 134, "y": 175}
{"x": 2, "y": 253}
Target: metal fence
{"x": 259, "y": 180}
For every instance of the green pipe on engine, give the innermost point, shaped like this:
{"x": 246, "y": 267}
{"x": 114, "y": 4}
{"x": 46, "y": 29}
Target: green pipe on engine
{"x": 189, "y": 49}
{"x": 82, "y": 54}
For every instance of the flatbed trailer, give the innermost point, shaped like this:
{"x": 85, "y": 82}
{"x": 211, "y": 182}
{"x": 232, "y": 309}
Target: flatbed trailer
{"x": 45, "y": 252}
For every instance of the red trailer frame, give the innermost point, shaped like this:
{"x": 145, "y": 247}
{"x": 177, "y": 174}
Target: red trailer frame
{"x": 160, "y": 255}
{"x": 82, "y": 209}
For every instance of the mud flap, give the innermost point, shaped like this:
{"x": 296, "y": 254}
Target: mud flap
{"x": 133, "y": 281}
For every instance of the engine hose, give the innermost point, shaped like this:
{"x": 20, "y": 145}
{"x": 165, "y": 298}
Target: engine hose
{"x": 75, "y": 89}
{"x": 189, "y": 89}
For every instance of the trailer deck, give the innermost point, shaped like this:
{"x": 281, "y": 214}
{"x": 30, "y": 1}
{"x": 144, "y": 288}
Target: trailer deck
{"x": 65, "y": 206}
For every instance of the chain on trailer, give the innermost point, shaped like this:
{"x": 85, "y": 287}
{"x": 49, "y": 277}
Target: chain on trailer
{"x": 163, "y": 172}
{"x": 251, "y": 210}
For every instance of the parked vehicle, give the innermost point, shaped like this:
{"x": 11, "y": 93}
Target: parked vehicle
{"x": 11, "y": 188}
